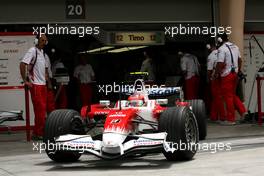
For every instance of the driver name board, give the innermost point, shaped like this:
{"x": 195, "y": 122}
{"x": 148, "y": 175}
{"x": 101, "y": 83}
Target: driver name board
{"x": 137, "y": 38}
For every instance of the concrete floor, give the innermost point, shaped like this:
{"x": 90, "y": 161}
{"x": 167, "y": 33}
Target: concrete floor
{"x": 245, "y": 158}
{"x": 214, "y": 131}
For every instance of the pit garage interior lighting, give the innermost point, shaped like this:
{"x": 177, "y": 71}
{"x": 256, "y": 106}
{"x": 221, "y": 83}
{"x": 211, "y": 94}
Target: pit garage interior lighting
{"x": 119, "y": 50}
{"x": 97, "y": 49}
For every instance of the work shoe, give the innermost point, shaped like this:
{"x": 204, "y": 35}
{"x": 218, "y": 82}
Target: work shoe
{"x": 241, "y": 121}
{"x": 227, "y": 123}
{"x": 222, "y": 122}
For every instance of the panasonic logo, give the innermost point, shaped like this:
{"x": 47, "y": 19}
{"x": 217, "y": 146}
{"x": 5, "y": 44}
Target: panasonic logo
{"x": 117, "y": 115}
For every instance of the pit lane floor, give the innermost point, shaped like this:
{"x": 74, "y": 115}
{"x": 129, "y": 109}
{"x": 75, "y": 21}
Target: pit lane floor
{"x": 246, "y": 157}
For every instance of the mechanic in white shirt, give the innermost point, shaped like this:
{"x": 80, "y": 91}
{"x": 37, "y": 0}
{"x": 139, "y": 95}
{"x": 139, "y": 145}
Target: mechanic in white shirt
{"x": 34, "y": 72}
{"x": 228, "y": 65}
{"x": 85, "y": 76}
{"x": 61, "y": 100}
{"x": 148, "y": 66}
{"x": 190, "y": 68}
{"x": 217, "y": 111}
{"x": 57, "y": 65}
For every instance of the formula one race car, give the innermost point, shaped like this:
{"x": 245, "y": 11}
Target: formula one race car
{"x": 132, "y": 127}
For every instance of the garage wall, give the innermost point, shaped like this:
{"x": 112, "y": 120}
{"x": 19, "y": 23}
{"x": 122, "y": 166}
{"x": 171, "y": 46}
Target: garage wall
{"x": 254, "y": 16}
{"x": 26, "y": 11}
{"x": 30, "y": 11}
{"x": 254, "y": 10}
{"x": 150, "y": 10}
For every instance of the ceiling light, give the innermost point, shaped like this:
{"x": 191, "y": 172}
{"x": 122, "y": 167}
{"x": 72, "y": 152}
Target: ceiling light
{"x": 97, "y": 49}
{"x": 100, "y": 49}
{"x": 119, "y": 50}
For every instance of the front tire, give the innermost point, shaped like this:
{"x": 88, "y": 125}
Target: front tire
{"x": 182, "y": 130}
{"x": 58, "y": 123}
{"x": 199, "y": 110}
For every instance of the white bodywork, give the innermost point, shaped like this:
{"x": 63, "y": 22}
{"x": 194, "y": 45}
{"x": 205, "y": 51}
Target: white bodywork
{"x": 84, "y": 144}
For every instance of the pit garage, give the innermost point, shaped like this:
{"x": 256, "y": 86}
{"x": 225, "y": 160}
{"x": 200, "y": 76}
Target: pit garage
{"x": 113, "y": 38}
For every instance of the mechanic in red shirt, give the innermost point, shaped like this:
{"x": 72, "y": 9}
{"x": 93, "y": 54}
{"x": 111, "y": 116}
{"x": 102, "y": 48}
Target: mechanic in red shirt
{"x": 34, "y": 72}
{"x": 228, "y": 65}
{"x": 85, "y": 76}
{"x": 217, "y": 111}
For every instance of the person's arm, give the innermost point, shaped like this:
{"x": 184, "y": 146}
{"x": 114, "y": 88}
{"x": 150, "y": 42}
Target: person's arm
{"x": 239, "y": 60}
{"x": 199, "y": 66}
{"x": 219, "y": 67}
{"x": 24, "y": 67}
{"x": 76, "y": 74}
{"x": 143, "y": 67}
{"x": 239, "y": 64}
{"x": 48, "y": 80}
{"x": 92, "y": 74}
{"x": 209, "y": 73}
{"x": 220, "y": 61}
{"x": 209, "y": 67}
{"x": 23, "y": 73}
{"x": 183, "y": 66}
{"x": 47, "y": 75}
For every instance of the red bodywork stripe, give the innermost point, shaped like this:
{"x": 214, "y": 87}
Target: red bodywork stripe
{"x": 120, "y": 120}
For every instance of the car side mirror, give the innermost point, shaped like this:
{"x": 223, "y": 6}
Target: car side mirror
{"x": 104, "y": 102}
{"x": 162, "y": 101}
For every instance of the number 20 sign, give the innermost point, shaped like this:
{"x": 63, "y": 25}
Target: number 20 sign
{"x": 75, "y": 9}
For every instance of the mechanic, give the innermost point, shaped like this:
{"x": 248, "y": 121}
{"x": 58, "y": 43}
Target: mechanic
{"x": 228, "y": 65}
{"x": 148, "y": 66}
{"x": 217, "y": 111}
{"x": 85, "y": 75}
{"x": 61, "y": 101}
{"x": 190, "y": 68}
{"x": 34, "y": 72}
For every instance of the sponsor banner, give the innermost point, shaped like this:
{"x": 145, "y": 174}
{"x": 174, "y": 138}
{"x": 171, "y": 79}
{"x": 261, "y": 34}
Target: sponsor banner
{"x": 13, "y": 47}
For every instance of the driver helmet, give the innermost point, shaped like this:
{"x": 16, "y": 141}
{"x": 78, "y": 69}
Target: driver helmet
{"x": 136, "y": 100}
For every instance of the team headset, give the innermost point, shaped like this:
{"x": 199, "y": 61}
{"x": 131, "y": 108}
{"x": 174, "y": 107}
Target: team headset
{"x": 36, "y": 40}
{"x": 219, "y": 41}
{"x": 209, "y": 46}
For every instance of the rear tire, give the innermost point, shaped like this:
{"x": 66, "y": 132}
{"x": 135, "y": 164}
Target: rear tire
{"x": 182, "y": 130}
{"x": 58, "y": 123}
{"x": 198, "y": 108}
